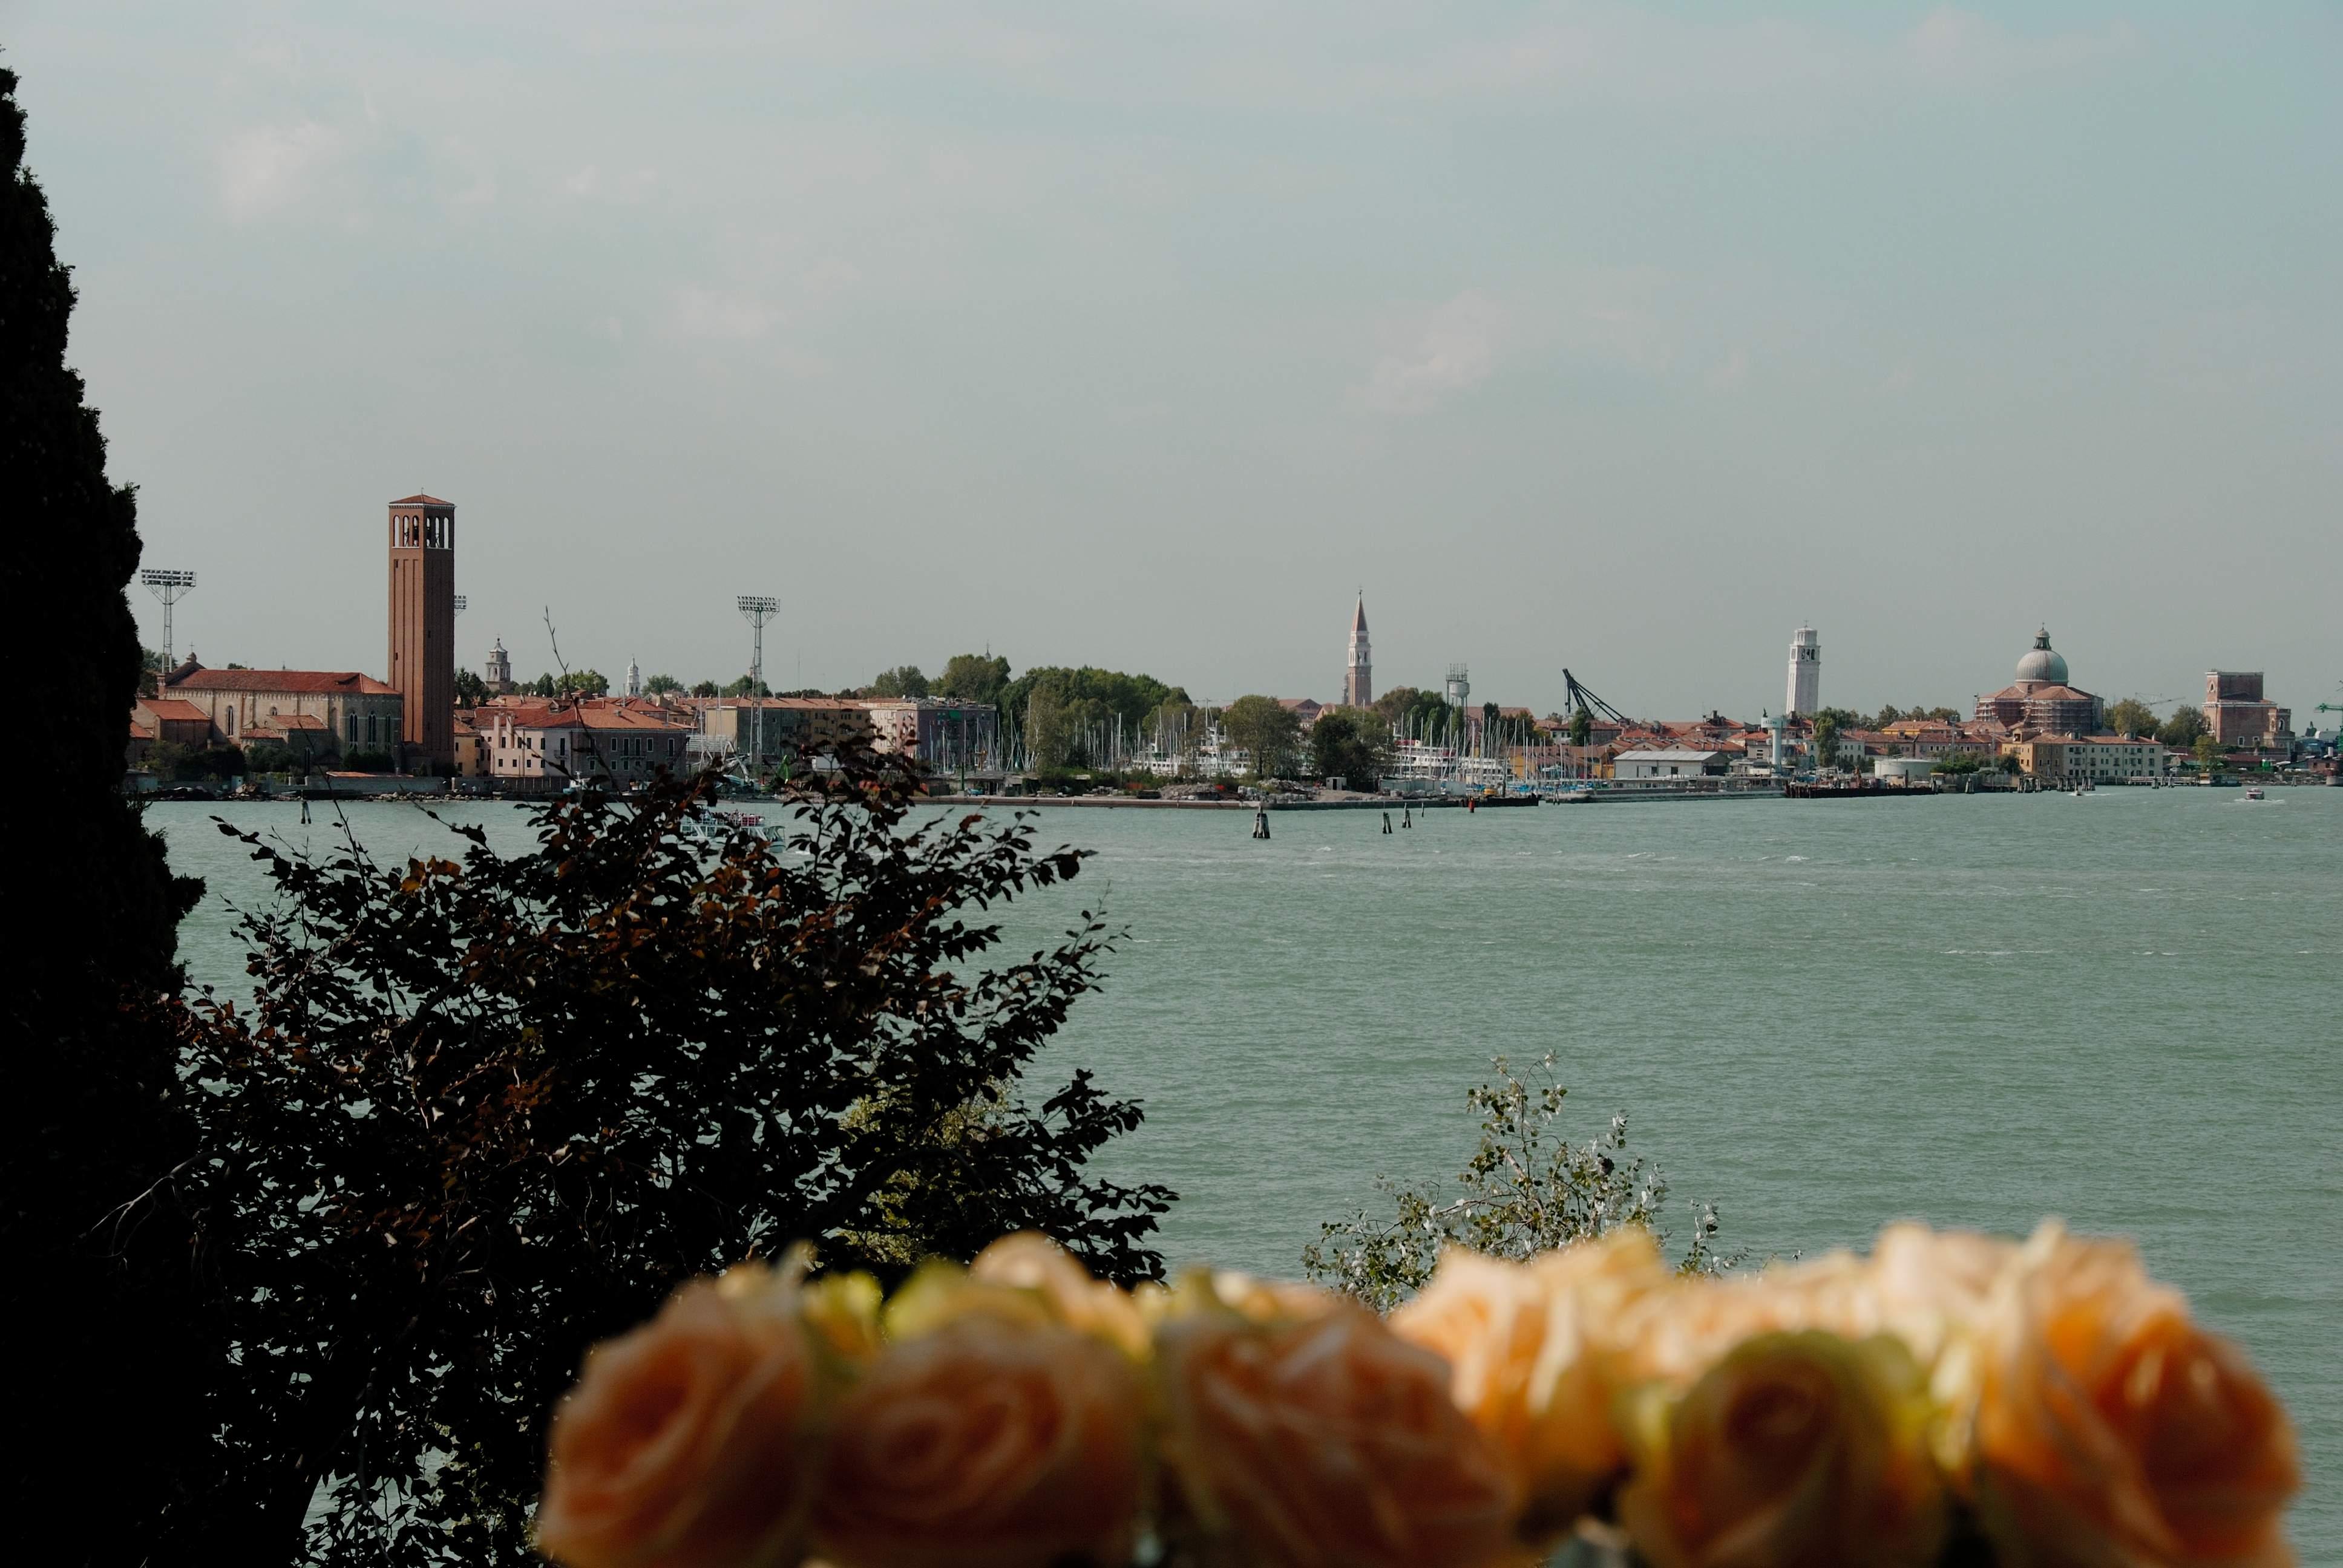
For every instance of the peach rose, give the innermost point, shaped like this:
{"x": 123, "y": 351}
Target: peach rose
{"x": 1326, "y": 1439}
{"x": 985, "y": 1442}
{"x": 1801, "y": 1448}
{"x": 1032, "y": 1261}
{"x": 687, "y": 1441}
{"x": 2110, "y": 1429}
{"x": 1525, "y": 1347}
{"x": 1932, "y": 1284}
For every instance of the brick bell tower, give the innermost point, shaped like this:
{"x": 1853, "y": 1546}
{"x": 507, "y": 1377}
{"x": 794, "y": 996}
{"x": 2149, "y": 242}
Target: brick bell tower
{"x": 423, "y": 624}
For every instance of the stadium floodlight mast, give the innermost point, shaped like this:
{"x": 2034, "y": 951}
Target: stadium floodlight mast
{"x": 170, "y": 588}
{"x": 758, "y": 609}
{"x": 460, "y": 602}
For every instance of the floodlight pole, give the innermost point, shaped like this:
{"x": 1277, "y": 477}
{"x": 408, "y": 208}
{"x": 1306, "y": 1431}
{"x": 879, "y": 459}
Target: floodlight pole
{"x": 169, "y": 586}
{"x": 460, "y": 602}
{"x": 758, "y": 609}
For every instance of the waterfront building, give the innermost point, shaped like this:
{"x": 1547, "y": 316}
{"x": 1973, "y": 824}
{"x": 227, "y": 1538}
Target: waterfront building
{"x": 423, "y": 624}
{"x": 947, "y": 737}
{"x": 350, "y": 710}
{"x": 1671, "y": 762}
{"x": 165, "y": 720}
{"x": 1805, "y": 673}
{"x": 2040, "y": 699}
{"x": 1934, "y": 737}
{"x": 2237, "y": 716}
{"x": 791, "y": 725}
{"x": 1358, "y": 678}
{"x": 496, "y": 674}
{"x": 2069, "y": 761}
{"x": 471, "y": 754}
{"x": 544, "y": 747}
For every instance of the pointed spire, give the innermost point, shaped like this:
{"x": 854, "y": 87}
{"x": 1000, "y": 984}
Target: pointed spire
{"x": 1359, "y": 615}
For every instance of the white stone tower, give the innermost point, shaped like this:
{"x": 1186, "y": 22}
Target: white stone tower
{"x": 1359, "y": 679}
{"x": 499, "y": 668}
{"x": 634, "y": 677}
{"x": 1805, "y": 674}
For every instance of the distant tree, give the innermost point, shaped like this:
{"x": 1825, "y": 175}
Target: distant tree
{"x": 1888, "y": 715}
{"x": 470, "y": 689}
{"x": 1582, "y": 728}
{"x": 1940, "y": 715}
{"x": 2183, "y": 728}
{"x": 1527, "y": 1190}
{"x": 903, "y": 680}
{"x": 706, "y": 689}
{"x": 586, "y": 683}
{"x": 1268, "y": 729}
{"x": 1048, "y": 735}
{"x": 744, "y": 686}
{"x": 368, "y": 760}
{"x": 1353, "y": 744}
{"x": 1959, "y": 764}
{"x": 2010, "y": 764}
{"x": 1131, "y": 697}
{"x": 2208, "y": 754}
{"x": 660, "y": 684}
{"x": 2130, "y": 716}
{"x": 1827, "y": 733}
{"x": 972, "y": 678}
{"x": 269, "y": 757}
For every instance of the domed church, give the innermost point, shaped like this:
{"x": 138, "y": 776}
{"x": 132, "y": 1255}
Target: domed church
{"x": 2040, "y": 699}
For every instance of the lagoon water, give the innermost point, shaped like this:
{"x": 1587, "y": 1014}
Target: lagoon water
{"x": 2122, "y": 1008}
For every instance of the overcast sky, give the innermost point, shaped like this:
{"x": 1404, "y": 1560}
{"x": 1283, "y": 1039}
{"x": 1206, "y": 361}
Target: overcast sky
{"x": 1619, "y": 338}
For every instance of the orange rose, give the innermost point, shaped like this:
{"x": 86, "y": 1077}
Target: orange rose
{"x": 687, "y": 1441}
{"x": 1524, "y": 1345}
{"x": 985, "y": 1442}
{"x": 1322, "y": 1438}
{"x": 1793, "y": 1449}
{"x": 2110, "y": 1429}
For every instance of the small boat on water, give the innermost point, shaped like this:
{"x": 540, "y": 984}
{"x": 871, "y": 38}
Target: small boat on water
{"x": 2254, "y": 792}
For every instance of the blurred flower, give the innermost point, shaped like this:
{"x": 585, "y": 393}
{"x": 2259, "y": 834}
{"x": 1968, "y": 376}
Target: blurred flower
{"x": 1319, "y": 1437}
{"x": 2110, "y": 1429}
{"x": 988, "y": 1442}
{"x": 1524, "y": 1343}
{"x": 1793, "y": 1449}
{"x": 688, "y": 1441}
{"x": 1033, "y": 1263}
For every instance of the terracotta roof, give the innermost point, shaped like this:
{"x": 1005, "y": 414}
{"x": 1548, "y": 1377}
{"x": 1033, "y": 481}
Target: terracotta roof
{"x": 348, "y": 681}
{"x": 2057, "y": 694}
{"x": 420, "y": 499}
{"x": 173, "y": 707}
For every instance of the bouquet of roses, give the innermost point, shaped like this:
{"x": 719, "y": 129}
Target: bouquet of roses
{"x": 1952, "y": 1398}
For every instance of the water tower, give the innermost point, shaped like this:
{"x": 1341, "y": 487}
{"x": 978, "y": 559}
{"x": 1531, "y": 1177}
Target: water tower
{"x": 1459, "y": 690}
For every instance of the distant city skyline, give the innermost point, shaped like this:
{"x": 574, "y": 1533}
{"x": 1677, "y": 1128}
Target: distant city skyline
{"x": 1623, "y": 337}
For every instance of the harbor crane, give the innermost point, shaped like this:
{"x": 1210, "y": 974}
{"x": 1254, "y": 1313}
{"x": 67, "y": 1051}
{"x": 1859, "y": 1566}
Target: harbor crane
{"x": 1579, "y": 699}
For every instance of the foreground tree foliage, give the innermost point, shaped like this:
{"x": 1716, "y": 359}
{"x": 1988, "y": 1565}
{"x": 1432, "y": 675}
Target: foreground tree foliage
{"x": 1527, "y": 1190}
{"x": 101, "y": 1299}
{"x": 487, "y": 1110}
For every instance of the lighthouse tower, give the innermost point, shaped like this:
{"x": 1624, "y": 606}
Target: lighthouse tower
{"x": 1358, "y": 678}
{"x": 1804, "y": 699}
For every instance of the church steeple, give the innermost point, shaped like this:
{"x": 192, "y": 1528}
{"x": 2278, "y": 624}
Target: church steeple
{"x": 1358, "y": 678}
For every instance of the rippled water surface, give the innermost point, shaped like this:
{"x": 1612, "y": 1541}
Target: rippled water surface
{"x": 2121, "y": 1009}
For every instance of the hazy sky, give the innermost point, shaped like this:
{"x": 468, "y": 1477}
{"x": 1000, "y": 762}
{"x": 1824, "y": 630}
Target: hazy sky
{"x": 1620, "y": 338}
